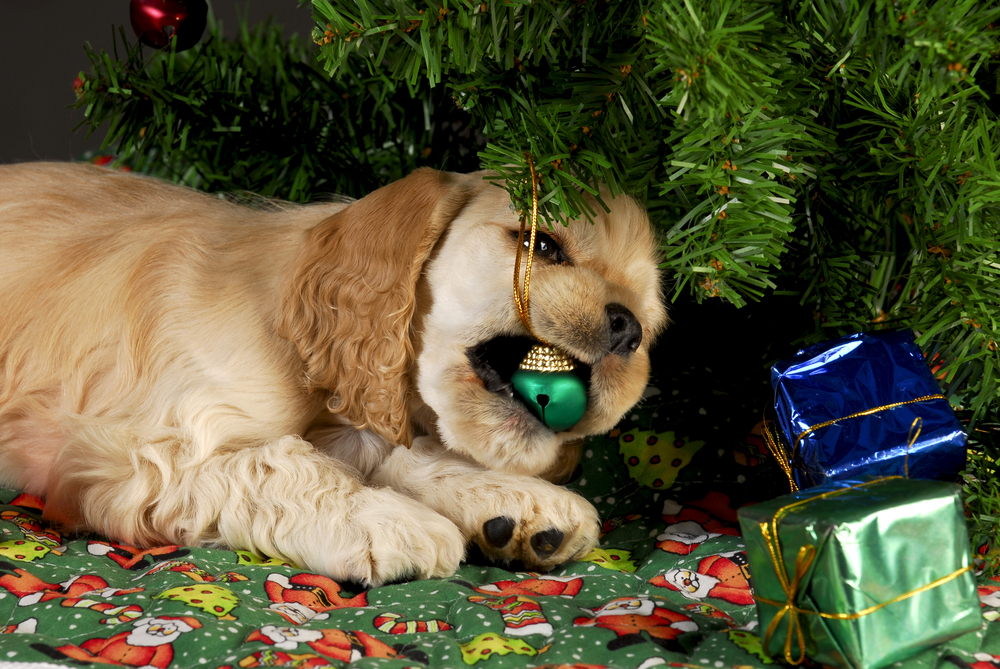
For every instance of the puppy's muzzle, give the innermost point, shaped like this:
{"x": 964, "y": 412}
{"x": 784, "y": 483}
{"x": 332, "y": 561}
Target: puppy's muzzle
{"x": 626, "y": 333}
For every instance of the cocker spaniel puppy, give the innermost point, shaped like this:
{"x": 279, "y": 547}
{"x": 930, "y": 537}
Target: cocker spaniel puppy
{"x": 327, "y": 384}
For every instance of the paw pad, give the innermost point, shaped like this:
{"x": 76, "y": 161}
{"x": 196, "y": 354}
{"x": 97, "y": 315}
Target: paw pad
{"x": 498, "y": 531}
{"x": 546, "y": 543}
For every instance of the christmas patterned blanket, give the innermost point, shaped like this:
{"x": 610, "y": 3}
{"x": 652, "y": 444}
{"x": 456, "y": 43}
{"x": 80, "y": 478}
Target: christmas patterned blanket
{"x": 669, "y": 584}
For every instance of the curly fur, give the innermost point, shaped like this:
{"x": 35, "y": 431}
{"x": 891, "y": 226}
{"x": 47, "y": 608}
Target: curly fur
{"x": 178, "y": 368}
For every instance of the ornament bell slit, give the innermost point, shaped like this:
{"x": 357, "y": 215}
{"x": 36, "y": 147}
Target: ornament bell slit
{"x": 546, "y": 381}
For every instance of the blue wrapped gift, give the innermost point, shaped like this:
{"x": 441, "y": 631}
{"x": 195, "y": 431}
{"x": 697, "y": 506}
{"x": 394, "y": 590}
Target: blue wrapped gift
{"x": 864, "y": 405}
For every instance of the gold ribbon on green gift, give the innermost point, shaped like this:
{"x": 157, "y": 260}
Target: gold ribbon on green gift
{"x": 803, "y": 561}
{"x": 773, "y": 439}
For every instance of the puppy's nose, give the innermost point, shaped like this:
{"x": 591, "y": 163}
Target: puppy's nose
{"x": 626, "y": 333}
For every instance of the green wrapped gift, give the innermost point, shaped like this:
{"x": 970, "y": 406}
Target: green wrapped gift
{"x": 861, "y": 574}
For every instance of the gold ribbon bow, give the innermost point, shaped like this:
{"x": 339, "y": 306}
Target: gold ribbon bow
{"x": 803, "y": 561}
{"x": 917, "y": 424}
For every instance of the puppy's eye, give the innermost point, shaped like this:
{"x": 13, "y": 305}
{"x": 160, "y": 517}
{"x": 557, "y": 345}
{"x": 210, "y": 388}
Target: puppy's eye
{"x": 545, "y": 247}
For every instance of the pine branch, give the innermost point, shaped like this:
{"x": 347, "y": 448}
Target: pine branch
{"x": 258, "y": 114}
{"x": 565, "y": 82}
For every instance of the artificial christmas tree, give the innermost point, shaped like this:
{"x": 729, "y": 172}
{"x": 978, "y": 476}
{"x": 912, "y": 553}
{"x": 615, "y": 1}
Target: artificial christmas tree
{"x": 844, "y": 153}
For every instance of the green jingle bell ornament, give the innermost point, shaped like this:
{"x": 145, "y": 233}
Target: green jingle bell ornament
{"x": 546, "y": 383}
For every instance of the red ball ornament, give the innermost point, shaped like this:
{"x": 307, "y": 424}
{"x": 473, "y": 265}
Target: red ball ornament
{"x": 157, "y": 22}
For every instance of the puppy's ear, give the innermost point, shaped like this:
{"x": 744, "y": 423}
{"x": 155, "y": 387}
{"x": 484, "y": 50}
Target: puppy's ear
{"x": 348, "y": 301}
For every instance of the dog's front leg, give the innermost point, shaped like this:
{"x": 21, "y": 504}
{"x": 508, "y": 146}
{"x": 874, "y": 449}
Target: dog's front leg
{"x": 508, "y": 515}
{"x": 283, "y": 499}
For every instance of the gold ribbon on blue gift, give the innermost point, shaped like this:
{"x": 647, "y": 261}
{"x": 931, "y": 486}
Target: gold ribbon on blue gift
{"x": 804, "y": 559}
{"x": 774, "y": 444}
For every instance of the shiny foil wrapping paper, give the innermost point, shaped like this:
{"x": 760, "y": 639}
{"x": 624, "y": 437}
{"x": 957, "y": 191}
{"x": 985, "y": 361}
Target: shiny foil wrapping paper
{"x": 836, "y": 379}
{"x": 874, "y": 542}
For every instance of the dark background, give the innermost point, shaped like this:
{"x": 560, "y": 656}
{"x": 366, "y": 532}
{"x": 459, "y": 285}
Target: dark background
{"x": 41, "y": 52}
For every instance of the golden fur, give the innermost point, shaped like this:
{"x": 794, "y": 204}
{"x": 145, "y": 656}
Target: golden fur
{"x": 177, "y": 368}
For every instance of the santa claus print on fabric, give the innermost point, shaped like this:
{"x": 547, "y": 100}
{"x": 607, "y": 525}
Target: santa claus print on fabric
{"x": 149, "y": 644}
{"x": 724, "y": 576}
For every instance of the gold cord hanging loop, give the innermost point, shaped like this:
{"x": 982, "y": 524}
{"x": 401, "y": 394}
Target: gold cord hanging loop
{"x": 544, "y": 356}
{"x": 519, "y": 302}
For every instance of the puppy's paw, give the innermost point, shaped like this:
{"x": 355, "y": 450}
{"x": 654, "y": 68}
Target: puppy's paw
{"x": 389, "y": 537}
{"x": 531, "y": 520}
